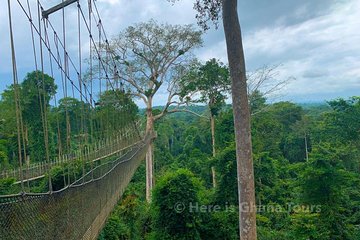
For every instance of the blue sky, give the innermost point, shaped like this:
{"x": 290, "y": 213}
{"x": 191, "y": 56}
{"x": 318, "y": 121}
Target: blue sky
{"x": 314, "y": 41}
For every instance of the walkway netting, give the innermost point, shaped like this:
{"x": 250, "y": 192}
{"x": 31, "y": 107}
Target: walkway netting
{"x": 78, "y": 211}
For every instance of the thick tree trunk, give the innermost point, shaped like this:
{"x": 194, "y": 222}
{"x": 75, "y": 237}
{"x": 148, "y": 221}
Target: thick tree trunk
{"x": 245, "y": 171}
{"x": 212, "y": 123}
{"x": 150, "y": 153}
{"x": 149, "y": 172}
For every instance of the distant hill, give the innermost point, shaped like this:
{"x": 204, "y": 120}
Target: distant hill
{"x": 310, "y": 108}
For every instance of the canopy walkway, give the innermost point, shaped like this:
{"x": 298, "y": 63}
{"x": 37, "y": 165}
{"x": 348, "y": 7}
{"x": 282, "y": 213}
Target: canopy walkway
{"x": 89, "y": 155}
{"x": 78, "y": 211}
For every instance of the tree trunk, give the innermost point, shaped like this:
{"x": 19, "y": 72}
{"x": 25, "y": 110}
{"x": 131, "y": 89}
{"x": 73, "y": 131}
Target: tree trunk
{"x": 149, "y": 153}
{"x": 212, "y": 123}
{"x": 149, "y": 171}
{"x": 306, "y": 148}
{"x": 245, "y": 171}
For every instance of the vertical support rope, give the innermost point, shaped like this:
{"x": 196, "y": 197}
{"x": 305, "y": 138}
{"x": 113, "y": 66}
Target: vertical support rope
{"x": 43, "y": 104}
{"x": 82, "y": 130}
{"x": 55, "y": 100}
{"x": 91, "y": 122}
{"x": 16, "y": 93}
{"x": 63, "y": 80}
{"x": 101, "y": 122}
{"x": 24, "y": 138}
{"x": 68, "y": 124}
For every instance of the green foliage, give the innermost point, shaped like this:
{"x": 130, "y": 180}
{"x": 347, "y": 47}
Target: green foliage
{"x": 325, "y": 182}
{"x": 226, "y": 168}
{"x": 115, "y": 229}
{"x": 220, "y": 225}
{"x": 345, "y": 118}
{"x": 266, "y": 134}
{"x": 62, "y": 175}
{"x": 329, "y": 179}
{"x": 342, "y": 123}
{"x": 36, "y": 91}
{"x": 4, "y": 159}
{"x": 7, "y": 186}
{"x": 117, "y": 108}
{"x": 257, "y": 102}
{"x": 174, "y": 190}
{"x": 129, "y": 220}
{"x": 8, "y": 138}
{"x": 211, "y": 80}
{"x": 71, "y": 112}
{"x": 224, "y": 133}
{"x": 266, "y": 178}
{"x": 304, "y": 226}
{"x": 287, "y": 113}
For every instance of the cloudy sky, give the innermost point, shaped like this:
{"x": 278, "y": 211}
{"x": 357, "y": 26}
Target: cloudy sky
{"x": 314, "y": 41}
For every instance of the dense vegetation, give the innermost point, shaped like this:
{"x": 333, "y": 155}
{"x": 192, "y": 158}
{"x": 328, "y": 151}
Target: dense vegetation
{"x": 306, "y": 157}
{"x": 72, "y": 125}
{"x": 307, "y": 171}
{"x": 306, "y": 160}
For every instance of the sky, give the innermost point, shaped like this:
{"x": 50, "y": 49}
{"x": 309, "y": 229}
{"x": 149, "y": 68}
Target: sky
{"x": 314, "y": 42}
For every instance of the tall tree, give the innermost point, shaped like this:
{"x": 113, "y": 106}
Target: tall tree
{"x": 36, "y": 91}
{"x": 211, "y": 80}
{"x": 118, "y": 108}
{"x": 210, "y": 11}
{"x": 68, "y": 119}
{"x": 154, "y": 56}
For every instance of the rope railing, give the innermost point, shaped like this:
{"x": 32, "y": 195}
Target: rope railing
{"x": 96, "y": 152}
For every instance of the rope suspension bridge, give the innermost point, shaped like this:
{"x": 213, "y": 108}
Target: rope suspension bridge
{"x": 89, "y": 156}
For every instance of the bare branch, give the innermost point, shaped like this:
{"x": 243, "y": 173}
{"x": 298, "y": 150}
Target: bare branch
{"x": 266, "y": 81}
{"x": 139, "y": 96}
{"x": 188, "y": 111}
{"x": 157, "y": 117}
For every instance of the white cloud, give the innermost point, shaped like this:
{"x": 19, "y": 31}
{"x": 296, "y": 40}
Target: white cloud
{"x": 217, "y": 50}
{"x": 112, "y": 2}
{"x": 321, "y": 53}
{"x": 116, "y": 15}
